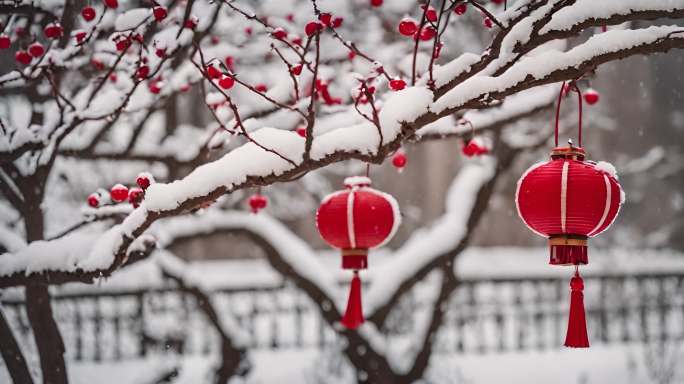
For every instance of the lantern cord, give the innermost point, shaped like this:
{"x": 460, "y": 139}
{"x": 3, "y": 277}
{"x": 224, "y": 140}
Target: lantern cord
{"x": 575, "y": 88}
{"x": 367, "y": 169}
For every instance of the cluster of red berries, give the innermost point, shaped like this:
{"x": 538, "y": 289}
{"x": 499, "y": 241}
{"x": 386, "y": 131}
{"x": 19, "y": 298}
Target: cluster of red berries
{"x": 409, "y": 27}
{"x": 257, "y": 202}
{"x": 324, "y": 93}
{"x": 120, "y": 193}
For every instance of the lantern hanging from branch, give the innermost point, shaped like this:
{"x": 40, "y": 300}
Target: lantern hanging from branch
{"x": 355, "y": 220}
{"x": 568, "y": 200}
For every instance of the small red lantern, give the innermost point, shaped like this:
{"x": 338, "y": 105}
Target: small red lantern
{"x": 568, "y": 200}
{"x": 355, "y": 220}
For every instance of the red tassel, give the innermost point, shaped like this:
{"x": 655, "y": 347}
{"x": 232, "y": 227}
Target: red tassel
{"x": 353, "y": 316}
{"x": 577, "y": 323}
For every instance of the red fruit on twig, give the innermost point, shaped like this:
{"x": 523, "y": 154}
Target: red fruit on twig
{"x": 326, "y": 19}
{"x": 337, "y": 22}
{"x": 312, "y": 27}
{"x": 135, "y": 196}
{"x": 399, "y": 160}
{"x": 36, "y": 49}
{"x": 80, "y": 36}
{"x": 226, "y": 82}
{"x": 397, "y": 84}
{"x": 297, "y": 69}
{"x": 53, "y": 31}
{"x": 431, "y": 15}
{"x": 213, "y": 72}
{"x": 118, "y": 193}
{"x": 257, "y": 202}
{"x": 487, "y": 22}
{"x": 591, "y": 96}
{"x": 143, "y": 72}
{"x": 261, "y": 88}
{"x": 159, "y": 13}
{"x": 23, "y": 57}
{"x": 94, "y": 200}
{"x": 88, "y": 13}
{"x": 461, "y": 9}
{"x": 144, "y": 180}
{"x": 279, "y": 33}
{"x": 111, "y": 4}
{"x": 408, "y": 27}
{"x": 5, "y": 41}
{"x": 375, "y": 3}
{"x": 427, "y": 33}
{"x": 301, "y": 131}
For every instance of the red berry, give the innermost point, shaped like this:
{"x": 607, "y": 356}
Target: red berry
{"x": 399, "y": 160}
{"x": 36, "y": 49}
{"x": 97, "y": 64}
{"x": 5, "y": 41}
{"x": 118, "y": 193}
{"x": 431, "y": 15}
{"x": 312, "y": 27}
{"x": 143, "y": 72}
{"x": 591, "y": 96}
{"x": 397, "y": 84}
{"x": 289, "y": 17}
{"x": 326, "y": 19}
{"x": 376, "y": 3}
{"x": 487, "y": 22}
{"x": 408, "y": 27}
{"x": 230, "y": 63}
{"x": 113, "y": 77}
{"x": 351, "y": 55}
{"x": 184, "y": 88}
{"x": 111, "y": 3}
{"x": 88, "y": 13}
{"x": 80, "y": 36}
{"x": 123, "y": 44}
{"x": 159, "y": 13}
{"x": 279, "y": 33}
{"x": 135, "y": 196}
{"x": 261, "y": 88}
{"x": 301, "y": 131}
{"x": 94, "y": 200}
{"x": 497, "y": 1}
{"x": 248, "y": 31}
{"x": 23, "y": 57}
{"x": 213, "y": 72}
{"x": 160, "y": 52}
{"x": 427, "y": 33}
{"x": 297, "y": 69}
{"x": 257, "y": 202}
{"x": 460, "y": 9}
{"x": 337, "y": 22}
{"x": 191, "y": 22}
{"x": 297, "y": 40}
{"x": 53, "y": 31}
{"x": 226, "y": 82}
{"x": 144, "y": 180}
{"x": 155, "y": 87}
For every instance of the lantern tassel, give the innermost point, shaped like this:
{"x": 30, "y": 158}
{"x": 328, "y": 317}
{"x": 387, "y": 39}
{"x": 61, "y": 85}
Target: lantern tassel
{"x": 353, "y": 316}
{"x": 576, "y": 336}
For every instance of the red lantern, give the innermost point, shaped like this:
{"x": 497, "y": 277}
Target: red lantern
{"x": 355, "y": 220}
{"x": 568, "y": 200}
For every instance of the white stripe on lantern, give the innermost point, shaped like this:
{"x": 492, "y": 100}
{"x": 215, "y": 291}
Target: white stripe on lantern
{"x": 564, "y": 194}
{"x": 606, "y": 208}
{"x": 350, "y": 218}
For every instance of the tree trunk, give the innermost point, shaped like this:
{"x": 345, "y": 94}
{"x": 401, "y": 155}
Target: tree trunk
{"x": 11, "y": 353}
{"x": 45, "y": 331}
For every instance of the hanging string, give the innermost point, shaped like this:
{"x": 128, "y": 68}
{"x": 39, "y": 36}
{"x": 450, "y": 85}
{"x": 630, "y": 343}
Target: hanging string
{"x": 367, "y": 169}
{"x": 573, "y": 87}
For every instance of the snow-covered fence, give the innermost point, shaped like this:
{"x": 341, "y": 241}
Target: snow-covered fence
{"x": 486, "y": 315}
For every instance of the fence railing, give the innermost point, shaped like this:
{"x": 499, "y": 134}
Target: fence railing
{"x": 484, "y": 315}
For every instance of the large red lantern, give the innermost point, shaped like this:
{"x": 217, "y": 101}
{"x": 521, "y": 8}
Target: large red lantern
{"x": 568, "y": 200}
{"x": 355, "y": 220}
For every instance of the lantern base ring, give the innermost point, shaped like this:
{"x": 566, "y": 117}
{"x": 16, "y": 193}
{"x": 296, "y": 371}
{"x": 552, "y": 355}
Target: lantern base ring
{"x": 568, "y": 250}
{"x": 355, "y": 259}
